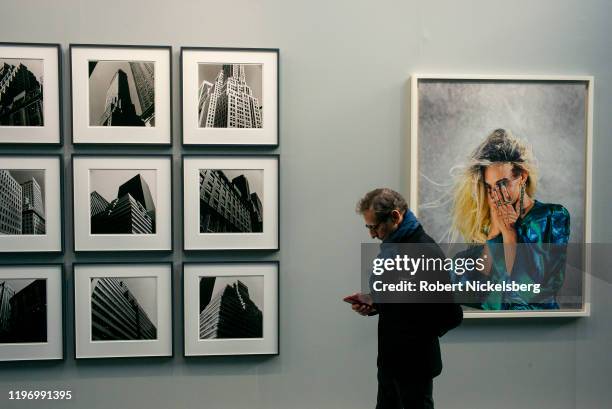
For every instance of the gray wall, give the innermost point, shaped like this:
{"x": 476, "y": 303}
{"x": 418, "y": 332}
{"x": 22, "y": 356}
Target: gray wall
{"x": 344, "y": 117}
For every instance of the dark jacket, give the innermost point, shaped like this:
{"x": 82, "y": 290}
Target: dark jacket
{"x": 408, "y": 332}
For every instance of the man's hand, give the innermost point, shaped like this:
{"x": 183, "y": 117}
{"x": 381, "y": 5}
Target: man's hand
{"x": 364, "y": 305}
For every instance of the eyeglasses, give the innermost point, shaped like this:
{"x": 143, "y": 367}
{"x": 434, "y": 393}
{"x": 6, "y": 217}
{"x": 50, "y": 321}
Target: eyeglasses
{"x": 373, "y": 227}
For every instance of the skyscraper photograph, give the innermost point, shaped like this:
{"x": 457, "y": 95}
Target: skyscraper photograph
{"x": 231, "y": 307}
{"x": 230, "y": 96}
{"x": 22, "y": 204}
{"x": 21, "y": 92}
{"x": 121, "y": 93}
{"x": 231, "y": 201}
{"x": 23, "y": 310}
{"x": 122, "y": 201}
{"x": 123, "y": 308}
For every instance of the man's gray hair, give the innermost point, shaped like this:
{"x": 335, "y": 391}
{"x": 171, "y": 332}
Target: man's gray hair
{"x": 382, "y": 201}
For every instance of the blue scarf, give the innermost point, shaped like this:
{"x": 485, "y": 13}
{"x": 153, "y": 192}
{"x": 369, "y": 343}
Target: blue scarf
{"x": 407, "y": 227}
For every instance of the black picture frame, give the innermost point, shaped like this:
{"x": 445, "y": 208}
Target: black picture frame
{"x": 228, "y": 262}
{"x": 62, "y": 227}
{"x": 276, "y": 51}
{"x": 228, "y": 155}
{"x": 63, "y": 282}
{"x": 170, "y": 264}
{"x": 168, "y": 48}
{"x": 60, "y": 102}
{"x": 125, "y": 155}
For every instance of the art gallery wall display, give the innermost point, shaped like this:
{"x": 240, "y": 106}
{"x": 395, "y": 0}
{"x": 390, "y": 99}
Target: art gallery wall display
{"x": 30, "y": 93}
{"x": 123, "y": 310}
{"x": 30, "y": 203}
{"x": 230, "y": 308}
{"x": 31, "y": 312}
{"x": 122, "y": 203}
{"x": 121, "y": 94}
{"x": 466, "y": 128}
{"x": 229, "y": 96}
{"x": 230, "y": 202}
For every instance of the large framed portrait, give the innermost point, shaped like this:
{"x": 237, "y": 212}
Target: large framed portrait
{"x": 230, "y": 202}
{"x": 121, "y": 94}
{"x": 229, "y": 96}
{"x": 30, "y": 93}
{"x": 230, "y": 308}
{"x": 123, "y": 310}
{"x": 31, "y": 312}
{"x": 483, "y": 171}
{"x": 122, "y": 203}
{"x": 31, "y": 215}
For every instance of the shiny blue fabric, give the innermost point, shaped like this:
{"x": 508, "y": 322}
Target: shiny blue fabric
{"x": 544, "y": 231}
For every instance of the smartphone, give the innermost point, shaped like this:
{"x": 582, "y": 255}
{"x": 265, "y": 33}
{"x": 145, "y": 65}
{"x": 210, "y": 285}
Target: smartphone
{"x": 355, "y": 299}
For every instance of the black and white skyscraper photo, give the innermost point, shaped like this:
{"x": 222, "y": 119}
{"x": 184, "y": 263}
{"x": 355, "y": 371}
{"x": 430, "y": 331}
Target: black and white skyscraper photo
{"x": 230, "y": 96}
{"x": 123, "y": 308}
{"x": 231, "y": 201}
{"x": 122, "y": 201}
{"x": 21, "y": 92}
{"x": 231, "y": 307}
{"x": 23, "y": 310}
{"x": 121, "y": 93}
{"x": 22, "y": 201}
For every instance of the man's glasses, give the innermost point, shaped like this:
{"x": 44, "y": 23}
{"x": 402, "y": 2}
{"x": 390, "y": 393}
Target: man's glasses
{"x": 373, "y": 227}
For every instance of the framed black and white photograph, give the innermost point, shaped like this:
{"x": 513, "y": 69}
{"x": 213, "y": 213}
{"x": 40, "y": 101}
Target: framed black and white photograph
{"x": 123, "y": 310}
{"x": 30, "y": 93}
{"x": 467, "y": 127}
{"x": 229, "y": 96}
{"x": 231, "y": 308}
{"x": 122, "y": 202}
{"x": 31, "y": 312}
{"x": 230, "y": 202}
{"x": 121, "y": 94}
{"x": 30, "y": 203}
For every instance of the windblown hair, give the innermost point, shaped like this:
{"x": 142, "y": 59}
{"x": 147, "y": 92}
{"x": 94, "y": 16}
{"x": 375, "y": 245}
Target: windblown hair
{"x": 471, "y": 213}
{"x": 382, "y": 201}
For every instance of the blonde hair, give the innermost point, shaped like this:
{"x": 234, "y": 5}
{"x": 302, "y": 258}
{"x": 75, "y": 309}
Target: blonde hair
{"x": 471, "y": 214}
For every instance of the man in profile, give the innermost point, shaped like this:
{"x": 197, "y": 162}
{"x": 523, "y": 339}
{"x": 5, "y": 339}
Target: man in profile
{"x": 408, "y": 346}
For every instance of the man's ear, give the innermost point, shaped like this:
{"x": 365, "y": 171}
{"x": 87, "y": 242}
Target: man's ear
{"x": 395, "y": 215}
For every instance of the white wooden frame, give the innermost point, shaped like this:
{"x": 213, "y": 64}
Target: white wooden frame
{"x": 412, "y": 181}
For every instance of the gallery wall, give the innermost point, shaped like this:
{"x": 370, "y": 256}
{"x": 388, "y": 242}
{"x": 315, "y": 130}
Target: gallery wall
{"x": 344, "y": 120}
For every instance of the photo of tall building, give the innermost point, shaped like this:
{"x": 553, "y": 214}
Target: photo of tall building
{"x": 22, "y": 207}
{"x": 121, "y": 93}
{"x": 229, "y": 96}
{"x": 21, "y": 92}
{"x": 23, "y": 310}
{"x": 231, "y": 307}
{"x": 131, "y": 208}
{"x": 123, "y": 308}
{"x": 231, "y": 201}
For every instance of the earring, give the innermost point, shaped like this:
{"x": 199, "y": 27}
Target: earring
{"x": 521, "y": 207}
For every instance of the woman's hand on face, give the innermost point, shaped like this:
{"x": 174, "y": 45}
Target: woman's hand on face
{"x": 503, "y": 214}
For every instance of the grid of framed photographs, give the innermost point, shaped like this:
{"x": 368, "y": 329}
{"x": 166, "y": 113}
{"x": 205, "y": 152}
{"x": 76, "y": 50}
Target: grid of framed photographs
{"x": 123, "y": 201}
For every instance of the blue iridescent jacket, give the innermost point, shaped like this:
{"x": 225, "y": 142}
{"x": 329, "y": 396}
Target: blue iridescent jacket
{"x": 537, "y": 262}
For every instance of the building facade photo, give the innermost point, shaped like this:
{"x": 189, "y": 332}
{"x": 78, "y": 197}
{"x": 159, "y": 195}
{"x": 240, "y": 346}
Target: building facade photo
{"x": 22, "y": 209}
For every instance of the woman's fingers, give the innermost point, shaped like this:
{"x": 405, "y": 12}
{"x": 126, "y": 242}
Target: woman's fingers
{"x": 506, "y": 194}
